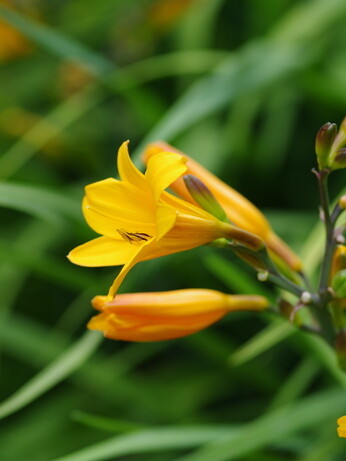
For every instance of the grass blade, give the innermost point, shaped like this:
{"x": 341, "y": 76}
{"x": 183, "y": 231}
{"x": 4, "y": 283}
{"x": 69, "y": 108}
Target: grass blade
{"x": 53, "y": 374}
{"x": 57, "y": 43}
{"x": 149, "y": 440}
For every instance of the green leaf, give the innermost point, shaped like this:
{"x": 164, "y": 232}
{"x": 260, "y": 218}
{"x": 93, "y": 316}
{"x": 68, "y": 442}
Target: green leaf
{"x": 273, "y": 334}
{"x": 53, "y": 374}
{"x": 57, "y": 43}
{"x": 149, "y": 440}
{"x": 60, "y": 271}
{"x": 311, "y": 412}
{"x": 103, "y": 423}
{"x": 45, "y": 204}
{"x": 258, "y": 65}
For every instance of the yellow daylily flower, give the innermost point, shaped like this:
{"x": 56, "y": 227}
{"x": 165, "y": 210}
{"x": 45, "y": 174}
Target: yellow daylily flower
{"x": 167, "y": 315}
{"x": 239, "y": 210}
{"x": 342, "y": 426}
{"x": 138, "y": 220}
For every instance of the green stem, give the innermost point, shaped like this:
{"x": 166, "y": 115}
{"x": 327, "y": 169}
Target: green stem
{"x": 323, "y": 317}
{"x": 285, "y": 284}
{"x": 274, "y": 275}
{"x": 336, "y": 213}
{"x": 322, "y": 179}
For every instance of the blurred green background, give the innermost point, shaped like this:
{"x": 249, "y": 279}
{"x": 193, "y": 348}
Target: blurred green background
{"x": 242, "y": 87}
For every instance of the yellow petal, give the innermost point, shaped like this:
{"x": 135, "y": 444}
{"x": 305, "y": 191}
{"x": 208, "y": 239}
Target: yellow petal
{"x": 163, "y": 169}
{"x": 111, "y": 205}
{"x": 184, "y": 207}
{"x": 342, "y": 421}
{"x": 165, "y": 220}
{"x": 189, "y": 232}
{"x": 127, "y": 170}
{"x": 143, "y": 252}
{"x": 341, "y": 432}
{"x": 102, "y": 251}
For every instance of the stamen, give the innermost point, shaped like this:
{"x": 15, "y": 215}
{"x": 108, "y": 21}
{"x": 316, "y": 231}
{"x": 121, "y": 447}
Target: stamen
{"x": 133, "y": 237}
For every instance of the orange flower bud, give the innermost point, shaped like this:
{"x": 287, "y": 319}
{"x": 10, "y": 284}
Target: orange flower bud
{"x": 166, "y": 315}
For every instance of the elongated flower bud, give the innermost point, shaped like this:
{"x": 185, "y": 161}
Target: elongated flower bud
{"x": 238, "y": 209}
{"x": 166, "y": 315}
{"x": 339, "y": 160}
{"x": 324, "y": 140}
{"x": 204, "y": 197}
{"x": 337, "y": 156}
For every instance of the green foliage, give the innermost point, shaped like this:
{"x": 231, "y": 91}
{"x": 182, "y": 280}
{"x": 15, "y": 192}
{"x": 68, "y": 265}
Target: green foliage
{"x": 242, "y": 87}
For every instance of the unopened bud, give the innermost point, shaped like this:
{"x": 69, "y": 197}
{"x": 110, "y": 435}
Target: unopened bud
{"x": 342, "y": 202}
{"x": 339, "y": 284}
{"x": 324, "y": 140}
{"x": 339, "y": 160}
{"x": 204, "y": 197}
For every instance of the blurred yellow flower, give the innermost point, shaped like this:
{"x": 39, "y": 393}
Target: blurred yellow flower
{"x": 342, "y": 426}
{"x": 166, "y": 315}
{"x": 13, "y": 44}
{"x": 239, "y": 210}
{"x": 162, "y": 13}
{"x": 138, "y": 220}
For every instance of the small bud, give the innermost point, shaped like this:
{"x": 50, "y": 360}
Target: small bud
{"x": 263, "y": 276}
{"x": 204, "y": 197}
{"x": 339, "y": 160}
{"x": 306, "y": 298}
{"x": 342, "y": 202}
{"x": 324, "y": 140}
{"x": 339, "y": 284}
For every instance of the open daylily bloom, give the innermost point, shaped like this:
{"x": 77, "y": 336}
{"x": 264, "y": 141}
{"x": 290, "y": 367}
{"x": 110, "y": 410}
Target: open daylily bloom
{"x": 166, "y": 315}
{"x": 239, "y": 210}
{"x": 138, "y": 220}
{"x": 342, "y": 426}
